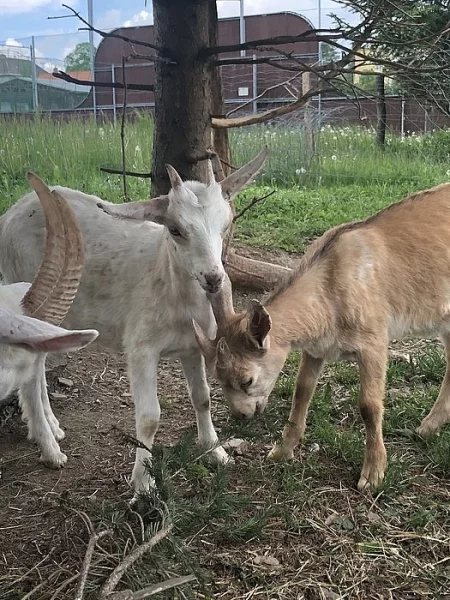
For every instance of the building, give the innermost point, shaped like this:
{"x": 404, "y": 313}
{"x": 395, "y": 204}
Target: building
{"x": 16, "y": 94}
{"x": 240, "y": 82}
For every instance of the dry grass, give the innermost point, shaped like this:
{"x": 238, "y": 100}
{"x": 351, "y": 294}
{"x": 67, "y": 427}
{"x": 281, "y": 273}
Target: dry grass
{"x": 257, "y": 529}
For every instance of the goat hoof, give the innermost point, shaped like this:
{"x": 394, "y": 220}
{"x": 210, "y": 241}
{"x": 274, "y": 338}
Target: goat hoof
{"x": 56, "y": 461}
{"x": 371, "y": 481}
{"x": 220, "y": 457}
{"x": 58, "y": 433}
{"x": 279, "y": 453}
{"x": 427, "y": 428}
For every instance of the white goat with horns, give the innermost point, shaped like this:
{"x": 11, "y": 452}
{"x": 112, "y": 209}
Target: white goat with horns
{"x": 140, "y": 285}
{"x": 29, "y": 315}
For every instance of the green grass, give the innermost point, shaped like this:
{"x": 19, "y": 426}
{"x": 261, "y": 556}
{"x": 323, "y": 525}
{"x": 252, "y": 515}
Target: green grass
{"x": 347, "y": 178}
{"x": 306, "y": 512}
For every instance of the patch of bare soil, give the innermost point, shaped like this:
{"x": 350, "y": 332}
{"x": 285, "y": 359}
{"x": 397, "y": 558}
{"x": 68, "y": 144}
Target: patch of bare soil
{"x": 311, "y": 553}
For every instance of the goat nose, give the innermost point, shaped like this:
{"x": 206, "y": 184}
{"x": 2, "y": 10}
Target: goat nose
{"x": 214, "y": 281}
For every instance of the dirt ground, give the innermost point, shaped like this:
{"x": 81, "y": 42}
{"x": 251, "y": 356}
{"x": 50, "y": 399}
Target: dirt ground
{"x": 39, "y": 534}
{"x": 90, "y": 397}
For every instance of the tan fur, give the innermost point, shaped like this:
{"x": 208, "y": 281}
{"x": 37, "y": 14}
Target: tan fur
{"x": 357, "y": 287}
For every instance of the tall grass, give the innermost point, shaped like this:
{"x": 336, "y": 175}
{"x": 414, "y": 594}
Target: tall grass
{"x": 346, "y": 178}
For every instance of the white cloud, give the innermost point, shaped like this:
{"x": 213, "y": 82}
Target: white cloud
{"x": 14, "y": 49}
{"x": 144, "y": 17}
{"x": 23, "y": 6}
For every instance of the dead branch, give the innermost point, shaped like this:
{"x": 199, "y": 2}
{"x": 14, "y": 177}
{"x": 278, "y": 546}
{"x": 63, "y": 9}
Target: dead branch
{"x": 130, "y": 559}
{"x": 151, "y": 590}
{"x": 272, "y": 113}
{"x": 163, "y": 52}
{"x": 269, "y": 89}
{"x": 130, "y": 173}
{"x": 95, "y": 537}
{"x": 108, "y": 84}
{"x": 251, "y": 204}
{"x": 309, "y": 35}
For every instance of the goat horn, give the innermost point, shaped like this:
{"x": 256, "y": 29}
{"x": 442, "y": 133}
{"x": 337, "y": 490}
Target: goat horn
{"x": 222, "y": 303}
{"x": 56, "y": 283}
{"x": 210, "y": 178}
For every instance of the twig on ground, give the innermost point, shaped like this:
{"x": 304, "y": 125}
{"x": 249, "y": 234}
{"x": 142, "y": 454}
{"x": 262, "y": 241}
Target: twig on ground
{"x": 129, "y": 560}
{"x": 95, "y": 537}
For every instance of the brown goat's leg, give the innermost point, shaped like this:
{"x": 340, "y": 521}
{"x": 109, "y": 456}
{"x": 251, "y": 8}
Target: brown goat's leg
{"x": 372, "y": 368}
{"x": 308, "y": 375}
{"x": 440, "y": 413}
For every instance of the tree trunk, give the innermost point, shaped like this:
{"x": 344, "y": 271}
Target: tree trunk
{"x": 183, "y": 92}
{"x": 220, "y": 142}
{"x": 187, "y": 94}
{"x": 381, "y": 110}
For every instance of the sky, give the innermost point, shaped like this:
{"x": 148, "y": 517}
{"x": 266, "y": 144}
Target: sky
{"x": 55, "y": 38}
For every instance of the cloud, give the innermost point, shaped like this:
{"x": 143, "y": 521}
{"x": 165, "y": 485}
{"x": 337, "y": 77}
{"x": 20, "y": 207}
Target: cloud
{"x": 12, "y": 48}
{"x": 23, "y": 6}
{"x": 144, "y": 17}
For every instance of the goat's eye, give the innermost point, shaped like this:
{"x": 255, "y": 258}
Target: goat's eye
{"x": 247, "y": 383}
{"x": 174, "y": 231}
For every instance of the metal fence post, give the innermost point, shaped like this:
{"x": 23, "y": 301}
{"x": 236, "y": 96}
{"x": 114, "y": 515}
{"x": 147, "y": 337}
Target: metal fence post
{"x": 255, "y": 84}
{"x": 402, "y": 125}
{"x": 113, "y": 80}
{"x": 34, "y": 90}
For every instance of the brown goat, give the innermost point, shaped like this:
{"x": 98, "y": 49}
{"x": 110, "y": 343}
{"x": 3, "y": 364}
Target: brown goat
{"x": 357, "y": 287}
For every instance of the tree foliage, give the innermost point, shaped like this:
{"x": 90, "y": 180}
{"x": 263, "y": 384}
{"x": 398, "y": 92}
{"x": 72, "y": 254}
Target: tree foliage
{"x": 413, "y": 35}
{"x": 79, "y": 59}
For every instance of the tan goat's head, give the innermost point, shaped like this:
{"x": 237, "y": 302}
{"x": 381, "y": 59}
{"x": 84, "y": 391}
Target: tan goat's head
{"x": 241, "y": 357}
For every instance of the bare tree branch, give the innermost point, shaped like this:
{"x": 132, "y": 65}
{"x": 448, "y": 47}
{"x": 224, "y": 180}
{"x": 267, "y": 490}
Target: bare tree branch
{"x": 130, "y": 173}
{"x": 163, "y": 52}
{"x": 272, "y": 113}
{"x": 269, "y": 89}
{"x": 106, "y": 84}
{"x": 309, "y": 35}
{"x": 251, "y": 204}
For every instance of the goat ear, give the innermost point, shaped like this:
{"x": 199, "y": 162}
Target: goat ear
{"x": 39, "y": 336}
{"x": 142, "y": 210}
{"x": 175, "y": 179}
{"x": 224, "y": 355}
{"x": 207, "y": 346}
{"x": 235, "y": 182}
{"x": 259, "y": 323}
{"x": 67, "y": 342}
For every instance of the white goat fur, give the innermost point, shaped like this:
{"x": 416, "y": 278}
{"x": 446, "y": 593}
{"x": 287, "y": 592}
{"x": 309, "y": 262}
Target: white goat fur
{"x": 24, "y": 342}
{"x": 140, "y": 285}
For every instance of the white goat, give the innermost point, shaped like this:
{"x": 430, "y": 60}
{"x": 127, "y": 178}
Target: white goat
{"x": 140, "y": 285}
{"x": 25, "y": 340}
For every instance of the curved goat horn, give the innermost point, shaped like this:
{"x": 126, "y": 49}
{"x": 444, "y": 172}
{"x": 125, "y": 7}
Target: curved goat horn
{"x": 222, "y": 303}
{"x": 56, "y": 283}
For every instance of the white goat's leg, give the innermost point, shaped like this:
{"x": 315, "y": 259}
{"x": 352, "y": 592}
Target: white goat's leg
{"x": 38, "y": 426}
{"x": 58, "y": 433}
{"x": 194, "y": 370}
{"x": 143, "y": 371}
